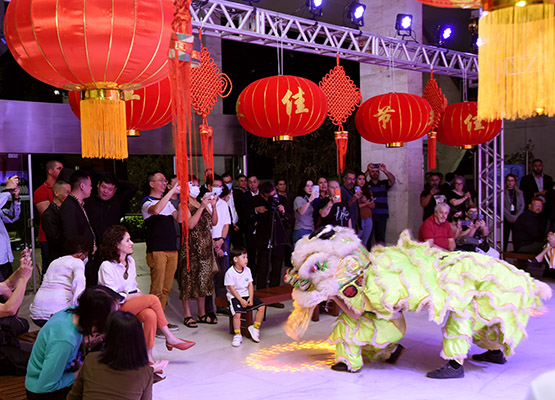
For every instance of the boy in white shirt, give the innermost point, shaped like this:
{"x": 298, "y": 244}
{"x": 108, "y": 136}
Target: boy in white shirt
{"x": 240, "y": 293}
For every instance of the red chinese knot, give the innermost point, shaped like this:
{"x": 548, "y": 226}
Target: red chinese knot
{"x": 343, "y": 96}
{"x": 207, "y": 84}
{"x": 433, "y": 95}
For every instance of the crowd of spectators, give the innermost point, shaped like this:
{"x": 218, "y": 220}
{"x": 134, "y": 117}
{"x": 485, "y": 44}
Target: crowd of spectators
{"x": 83, "y": 245}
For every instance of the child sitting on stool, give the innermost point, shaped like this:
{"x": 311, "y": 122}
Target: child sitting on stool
{"x": 240, "y": 293}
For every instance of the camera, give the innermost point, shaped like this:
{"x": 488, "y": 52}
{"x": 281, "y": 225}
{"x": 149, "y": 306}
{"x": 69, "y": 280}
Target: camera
{"x": 274, "y": 202}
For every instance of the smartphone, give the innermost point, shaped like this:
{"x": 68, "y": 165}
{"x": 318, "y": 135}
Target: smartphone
{"x": 376, "y": 166}
{"x": 316, "y": 190}
{"x": 357, "y": 188}
{"x": 465, "y": 222}
{"x": 480, "y": 217}
{"x": 337, "y": 195}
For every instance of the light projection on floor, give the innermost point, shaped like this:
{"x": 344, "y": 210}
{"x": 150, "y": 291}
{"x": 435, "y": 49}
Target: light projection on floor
{"x": 293, "y": 357}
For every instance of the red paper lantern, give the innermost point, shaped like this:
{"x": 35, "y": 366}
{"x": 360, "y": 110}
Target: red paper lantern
{"x": 281, "y": 107}
{"x": 100, "y": 46}
{"x": 453, "y": 3}
{"x": 145, "y": 109}
{"x": 460, "y": 126}
{"x": 393, "y": 118}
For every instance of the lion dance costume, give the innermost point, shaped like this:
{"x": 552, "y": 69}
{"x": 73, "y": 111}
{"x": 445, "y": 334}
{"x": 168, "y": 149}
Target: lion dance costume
{"x": 472, "y": 296}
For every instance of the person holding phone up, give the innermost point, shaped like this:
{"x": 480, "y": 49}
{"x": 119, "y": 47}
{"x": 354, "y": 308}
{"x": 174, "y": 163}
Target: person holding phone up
{"x": 8, "y": 215}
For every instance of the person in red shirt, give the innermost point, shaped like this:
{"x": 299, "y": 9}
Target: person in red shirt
{"x": 42, "y": 198}
{"x": 436, "y": 230}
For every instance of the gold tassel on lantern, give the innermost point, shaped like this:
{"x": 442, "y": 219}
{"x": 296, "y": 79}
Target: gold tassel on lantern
{"x": 103, "y": 125}
{"x": 516, "y": 59}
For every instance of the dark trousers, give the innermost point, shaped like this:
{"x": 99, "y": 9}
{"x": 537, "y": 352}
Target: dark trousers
{"x": 507, "y": 229}
{"x": 45, "y": 256}
{"x": 251, "y": 253}
{"x": 269, "y": 266}
{"x": 60, "y": 394}
{"x": 5, "y": 271}
{"x": 220, "y": 289}
{"x": 379, "y": 226}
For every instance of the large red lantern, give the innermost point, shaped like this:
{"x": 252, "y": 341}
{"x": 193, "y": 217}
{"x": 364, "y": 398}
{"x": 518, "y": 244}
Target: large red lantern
{"x": 461, "y": 126}
{"x": 393, "y": 118}
{"x": 100, "y": 47}
{"x": 145, "y": 108}
{"x": 453, "y": 3}
{"x": 281, "y": 107}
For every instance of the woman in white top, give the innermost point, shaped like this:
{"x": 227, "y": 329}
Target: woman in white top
{"x": 63, "y": 282}
{"x": 118, "y": 272}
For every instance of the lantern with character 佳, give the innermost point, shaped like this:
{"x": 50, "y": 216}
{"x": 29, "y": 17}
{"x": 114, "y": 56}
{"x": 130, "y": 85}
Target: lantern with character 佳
{"x": 281, "y": 107}
{"x": 460, "y": 126}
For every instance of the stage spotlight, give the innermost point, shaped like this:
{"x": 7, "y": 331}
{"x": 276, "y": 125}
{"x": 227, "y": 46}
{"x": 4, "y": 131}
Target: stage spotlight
{"x": 403, "y": 25}
{"x": 315, "y": 7}
{"x": 444, "y": 34}
{"x": 356, "y": 13}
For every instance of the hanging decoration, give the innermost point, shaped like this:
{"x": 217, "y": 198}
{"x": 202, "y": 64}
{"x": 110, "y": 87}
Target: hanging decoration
{"x": 461, "y": 126}
{"x": 207, "y": 84}
{"x": 452, "y": 3}
{"x": 145, "y": 109}
{"x": 438, "y": 101}
{"x": 281, "y": 107}
{"x": 95, "y": 47}
{"x": 342, "y": 96}
{"x": 394, "y": 118}
{"x": 516, "y": 59}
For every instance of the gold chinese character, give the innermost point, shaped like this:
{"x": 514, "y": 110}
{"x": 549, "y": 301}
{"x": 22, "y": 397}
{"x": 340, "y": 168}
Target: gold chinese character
{"x": 299, "y": 102}
{"x": 383, "y": 115}
{"x": 477, "y": 123}
{"x": 239, "y": 114}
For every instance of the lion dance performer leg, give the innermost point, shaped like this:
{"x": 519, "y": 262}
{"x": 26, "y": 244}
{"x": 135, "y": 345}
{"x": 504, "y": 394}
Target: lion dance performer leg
{"x": 473, "y": 297}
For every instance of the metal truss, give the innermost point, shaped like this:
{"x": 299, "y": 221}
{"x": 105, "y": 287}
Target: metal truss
{"x": 249, "y": 24}
{"x": 490, "y": 164}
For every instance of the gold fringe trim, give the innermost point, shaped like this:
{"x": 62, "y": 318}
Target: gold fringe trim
{"x": 517, "y": 62}
{"x": 103, "y": 129}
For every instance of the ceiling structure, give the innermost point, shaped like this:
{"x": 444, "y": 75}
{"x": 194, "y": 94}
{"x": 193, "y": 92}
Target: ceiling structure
{"x": 251, "y": 24}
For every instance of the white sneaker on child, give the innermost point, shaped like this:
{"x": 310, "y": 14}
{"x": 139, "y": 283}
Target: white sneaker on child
{"x": 237, "y": 340}
{"x": 255, "y": 333}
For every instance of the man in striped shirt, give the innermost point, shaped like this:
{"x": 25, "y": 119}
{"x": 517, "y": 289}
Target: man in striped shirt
{"x": 379, "y": 189}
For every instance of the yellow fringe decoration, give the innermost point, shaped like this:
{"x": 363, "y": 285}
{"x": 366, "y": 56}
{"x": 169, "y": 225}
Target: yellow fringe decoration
{"x": 103, "y": 129}
{"x": 517, "y": 62}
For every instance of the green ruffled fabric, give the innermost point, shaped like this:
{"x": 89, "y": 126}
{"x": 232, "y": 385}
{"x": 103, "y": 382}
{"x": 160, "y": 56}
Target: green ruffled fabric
{"x": 472, "y": 295}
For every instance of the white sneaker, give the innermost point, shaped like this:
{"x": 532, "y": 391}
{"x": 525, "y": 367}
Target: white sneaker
{"x": 237, "y": 340}
{"x": 255, "y": 333}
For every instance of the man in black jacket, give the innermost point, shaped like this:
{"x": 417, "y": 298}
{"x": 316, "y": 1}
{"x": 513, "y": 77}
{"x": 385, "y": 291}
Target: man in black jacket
{"x": 108, "y": 206}
{"x": 75, "y": 220}
{"x": 273, "y": 216}
{"x": 530, "y": 228}
{"x": 537, "y": 183}
{"x": 52, "y": 222}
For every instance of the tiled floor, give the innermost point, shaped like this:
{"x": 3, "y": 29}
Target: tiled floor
{"x": 279, "y": 368}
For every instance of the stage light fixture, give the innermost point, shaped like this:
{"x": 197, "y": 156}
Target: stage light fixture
{"x": 403, "y": 25}
{"x": 356, "y": 13}
{"x": 444, "y": 34}
{"x": 315, "y": 7}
